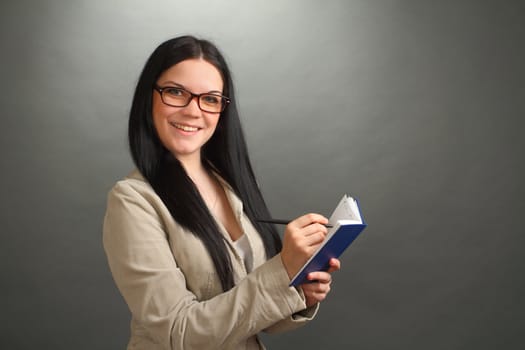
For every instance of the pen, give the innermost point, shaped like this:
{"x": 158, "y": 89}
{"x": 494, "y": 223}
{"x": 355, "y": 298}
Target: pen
{"x": 282, "y": 222}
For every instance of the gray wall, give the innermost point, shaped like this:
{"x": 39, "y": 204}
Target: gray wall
{"x": 415, "y": 107}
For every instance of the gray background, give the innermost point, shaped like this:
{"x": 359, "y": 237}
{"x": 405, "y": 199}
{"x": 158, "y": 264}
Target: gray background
{"x": 415, "y": 107}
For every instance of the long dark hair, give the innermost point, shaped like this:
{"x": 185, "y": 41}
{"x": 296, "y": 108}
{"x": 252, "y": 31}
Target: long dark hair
{"x": 225, "y": 153}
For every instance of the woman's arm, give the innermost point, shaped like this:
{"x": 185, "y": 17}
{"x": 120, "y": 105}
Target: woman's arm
{"x": 154, "y": 287}
{"x": 313, "y": 293}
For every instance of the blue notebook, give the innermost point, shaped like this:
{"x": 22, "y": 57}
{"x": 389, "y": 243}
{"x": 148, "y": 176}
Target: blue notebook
{"x": 347, "y": 225}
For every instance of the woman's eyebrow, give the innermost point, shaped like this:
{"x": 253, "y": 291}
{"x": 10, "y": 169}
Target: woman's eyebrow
{"x": 173, "y": 83}
{"x": 182, "y": 86}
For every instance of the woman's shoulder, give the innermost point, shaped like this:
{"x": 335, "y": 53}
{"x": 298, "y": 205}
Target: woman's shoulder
{"x": 134, "y": 194}
{"x": 134, "y": 184}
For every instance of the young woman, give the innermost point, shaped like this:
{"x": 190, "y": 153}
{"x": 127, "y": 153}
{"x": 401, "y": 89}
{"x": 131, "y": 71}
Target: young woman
{"x": 194, "y": 265}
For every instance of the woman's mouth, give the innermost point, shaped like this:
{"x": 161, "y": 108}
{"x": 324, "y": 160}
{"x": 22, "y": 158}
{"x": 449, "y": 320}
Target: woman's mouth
{"x": 186, "y": 128}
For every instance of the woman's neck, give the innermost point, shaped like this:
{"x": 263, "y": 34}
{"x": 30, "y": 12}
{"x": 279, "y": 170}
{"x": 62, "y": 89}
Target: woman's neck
{"x": 193, "y": 166}
{"x": 197, "y": 172}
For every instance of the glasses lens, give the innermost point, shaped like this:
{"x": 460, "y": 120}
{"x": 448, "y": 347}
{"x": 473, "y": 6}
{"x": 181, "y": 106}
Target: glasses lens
{"x": 175, "y": 96}
{"x": 211, "y": 103}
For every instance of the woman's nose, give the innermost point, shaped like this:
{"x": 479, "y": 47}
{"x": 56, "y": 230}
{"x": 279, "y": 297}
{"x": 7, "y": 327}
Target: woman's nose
{"x": 193, "y": 107}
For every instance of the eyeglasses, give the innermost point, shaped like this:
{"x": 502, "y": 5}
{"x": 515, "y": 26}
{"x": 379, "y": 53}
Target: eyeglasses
{"x": 179, "y": 97}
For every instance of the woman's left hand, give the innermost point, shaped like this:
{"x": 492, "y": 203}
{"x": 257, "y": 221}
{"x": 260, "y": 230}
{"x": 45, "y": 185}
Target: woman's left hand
{"x": 316, "y": 291}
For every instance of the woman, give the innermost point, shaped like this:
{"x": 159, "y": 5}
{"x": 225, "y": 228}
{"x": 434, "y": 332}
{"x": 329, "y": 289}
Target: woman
{"x": 194, "y": 265}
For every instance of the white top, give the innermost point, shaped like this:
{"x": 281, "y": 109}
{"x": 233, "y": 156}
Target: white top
{"x": 242, "y": 246}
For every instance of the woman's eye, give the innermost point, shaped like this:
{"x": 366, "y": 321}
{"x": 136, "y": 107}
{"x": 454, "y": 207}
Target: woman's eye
{"x": 173, "y": 91}
{"x": 211, "y": 99}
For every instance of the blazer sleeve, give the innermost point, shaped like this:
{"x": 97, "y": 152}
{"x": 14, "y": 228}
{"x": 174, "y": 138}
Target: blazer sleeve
{"x": 294, "y": 321}
{"x": 154, "y": 288}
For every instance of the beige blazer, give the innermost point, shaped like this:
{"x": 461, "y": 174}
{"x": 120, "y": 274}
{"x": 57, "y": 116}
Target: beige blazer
{"x": 168, "y": 279}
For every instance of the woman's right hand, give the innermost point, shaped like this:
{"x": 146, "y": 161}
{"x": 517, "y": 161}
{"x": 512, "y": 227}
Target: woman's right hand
{"x": 302, "y": 236}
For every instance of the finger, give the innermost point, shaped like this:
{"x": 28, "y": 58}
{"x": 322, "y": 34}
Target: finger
{"x": 335, "y": 265}
{"x": 317, "y": 291}
{"x": 320, "y": 277}
{"x": 296, "y": 233}
{"x": 308, "y": 219}
{"x": 314, "y": 228}
{"x": 313, "y": 239}
{"x": 313, "y": 289}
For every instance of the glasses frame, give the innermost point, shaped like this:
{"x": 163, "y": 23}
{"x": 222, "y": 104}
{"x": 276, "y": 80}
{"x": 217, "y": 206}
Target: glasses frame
{"x": 225, "y": 100}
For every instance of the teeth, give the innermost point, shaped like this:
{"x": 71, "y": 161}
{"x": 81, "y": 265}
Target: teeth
{"x": 185, "y": 127}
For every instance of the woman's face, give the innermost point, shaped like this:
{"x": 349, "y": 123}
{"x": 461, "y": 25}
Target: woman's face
{"x": 184, "y": 130}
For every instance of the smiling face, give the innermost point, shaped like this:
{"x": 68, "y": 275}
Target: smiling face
{"x": 184, "y": 130}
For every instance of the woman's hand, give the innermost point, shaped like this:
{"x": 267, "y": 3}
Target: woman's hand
{"x": 315, "y": 292}
{"x": 301, "y": 238}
